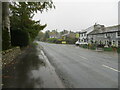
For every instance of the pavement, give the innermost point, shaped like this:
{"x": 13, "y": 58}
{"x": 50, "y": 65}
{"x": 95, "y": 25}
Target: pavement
{"x": 82, "y": 68}
{"x": 31, "y": 69}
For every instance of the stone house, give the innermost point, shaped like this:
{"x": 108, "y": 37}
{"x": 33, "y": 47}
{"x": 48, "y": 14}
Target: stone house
{"x": 108, "y": 36}
{"x": 83, "y": 39}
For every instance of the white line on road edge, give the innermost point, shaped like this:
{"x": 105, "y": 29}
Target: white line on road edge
{"x": 56, "y": 82}
{"x": 110, "y": 68}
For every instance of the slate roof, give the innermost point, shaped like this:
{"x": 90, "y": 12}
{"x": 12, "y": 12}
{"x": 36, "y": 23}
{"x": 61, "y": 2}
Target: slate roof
{"x": 112, "y": 28}
{"x": 106, "y": 29}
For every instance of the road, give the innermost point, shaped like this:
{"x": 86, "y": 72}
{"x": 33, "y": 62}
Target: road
{"x": 83, "y": 68}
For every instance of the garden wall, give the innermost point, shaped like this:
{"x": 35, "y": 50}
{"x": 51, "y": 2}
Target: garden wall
{"x": 9, "y": 55}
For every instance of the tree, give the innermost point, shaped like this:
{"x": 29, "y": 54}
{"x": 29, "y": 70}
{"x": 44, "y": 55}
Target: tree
{"x": 21, "y": 18}
{"x": 63, "y": 32}
{"x": 6, "y": 38}
{"x": 23, "y": 12}
{"x": 40, "y": 36}
{"x": 46, "y": 36}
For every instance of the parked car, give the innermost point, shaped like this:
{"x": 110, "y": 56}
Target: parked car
{"x": 63, "y": 42}
{"x": 77, "y": 43}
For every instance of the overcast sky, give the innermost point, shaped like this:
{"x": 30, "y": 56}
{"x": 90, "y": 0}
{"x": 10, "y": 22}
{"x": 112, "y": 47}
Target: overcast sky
{"x": 75, "y": 15}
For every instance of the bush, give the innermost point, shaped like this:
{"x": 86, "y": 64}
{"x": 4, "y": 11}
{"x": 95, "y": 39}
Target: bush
{"x": 52, "y": 40}
{"x": 71, "y": 40}
{"x": 108, "y": 49}
{"x": 20, "y": 38}
{"x": 59, "y": 41}
{"x": 84, "y": 46}
{"x": 92, "y": 46}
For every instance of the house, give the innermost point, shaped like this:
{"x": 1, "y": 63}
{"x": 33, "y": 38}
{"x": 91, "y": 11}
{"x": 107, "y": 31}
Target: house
{"x": 54, "y": 34}
{"x": 83, "y": 39}
{"x": 107, "y": 36}
{"x": 69, "y": 35}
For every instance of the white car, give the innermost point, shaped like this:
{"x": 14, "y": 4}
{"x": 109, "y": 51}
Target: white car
{"x": 77, "y": 43}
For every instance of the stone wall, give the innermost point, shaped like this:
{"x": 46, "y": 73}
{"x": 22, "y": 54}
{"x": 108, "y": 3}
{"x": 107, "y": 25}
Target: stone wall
{"x": 9, "y": 55}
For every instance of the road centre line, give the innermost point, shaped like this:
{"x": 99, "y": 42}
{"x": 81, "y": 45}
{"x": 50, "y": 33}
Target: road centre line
{"x": 110, "y": 68}
{"x": 83, "y": 57}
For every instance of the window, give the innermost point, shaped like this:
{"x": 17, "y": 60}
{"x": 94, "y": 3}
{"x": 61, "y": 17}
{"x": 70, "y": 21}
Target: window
{"x": 91, "y": 38}
{"x": 84, "y": 34}
{"x": 100, "y": 42}
{"x": 105, "y": 35}
{"x": 118, "y": 33}
{"x": 113, "y": 42}
{"x": 105, "y": 42}
{"x": 110, "y": 42}
{"x": 118, "y": 43}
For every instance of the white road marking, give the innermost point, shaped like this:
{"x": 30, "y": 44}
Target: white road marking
{"x": 83, "y": 57}
{"x": 110, "y": 68}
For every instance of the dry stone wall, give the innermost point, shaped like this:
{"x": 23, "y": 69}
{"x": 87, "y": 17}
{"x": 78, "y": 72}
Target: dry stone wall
{"x": 9, "y": 55}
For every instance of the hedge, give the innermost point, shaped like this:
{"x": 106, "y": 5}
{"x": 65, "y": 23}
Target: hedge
{"x": 20, "y": 38}
{"x": 84, "y": 46}
{"x": 118, "y": 50}
{"x": 108, "y": 49}
{"x": 93, "y": 47}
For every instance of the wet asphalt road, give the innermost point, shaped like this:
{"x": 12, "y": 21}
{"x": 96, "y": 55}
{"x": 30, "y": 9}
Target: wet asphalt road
{"x": 82, "y": 68}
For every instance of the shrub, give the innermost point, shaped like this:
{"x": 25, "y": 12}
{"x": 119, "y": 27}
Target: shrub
{"x": 108, "y": 49}
{"x": 52, "y": 40}
{"x": 84, "y": 46}
{"x": 71, "y": 40}
{"x": 20, "y": 38}
{"x": 59, "y": 41}
{"x": 92, "y": 46}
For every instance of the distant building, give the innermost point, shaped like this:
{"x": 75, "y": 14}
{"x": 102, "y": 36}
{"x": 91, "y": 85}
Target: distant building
{"x": 53, "y": 36}
{"x": 69, "y": 35}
